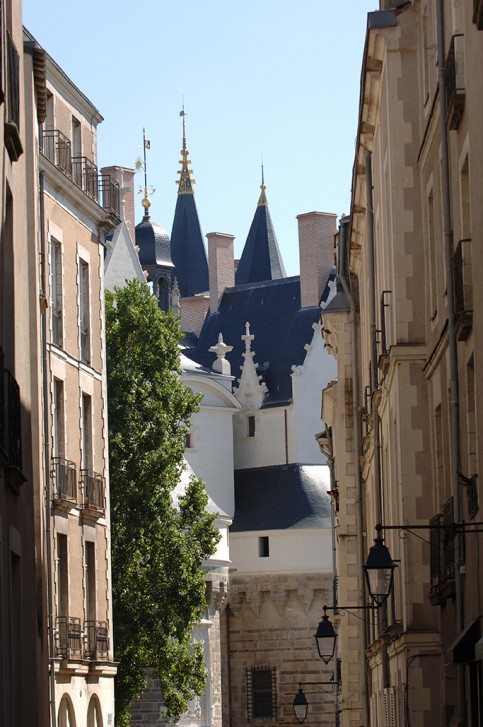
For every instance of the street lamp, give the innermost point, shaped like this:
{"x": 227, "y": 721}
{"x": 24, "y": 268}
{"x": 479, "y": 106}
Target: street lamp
{"x": 379, "y": 569}
{"x": 325, "y": 638}
{"x": 300, "y": 704}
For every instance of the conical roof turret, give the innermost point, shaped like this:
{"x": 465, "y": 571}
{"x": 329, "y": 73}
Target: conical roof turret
{"x": 187, "y": 248}
{"x": 260, "y": 259}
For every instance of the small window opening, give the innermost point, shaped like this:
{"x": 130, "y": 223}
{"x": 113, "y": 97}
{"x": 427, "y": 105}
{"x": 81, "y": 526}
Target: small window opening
{"x": 263, "y": 547}
{"x": 251, "y": 426}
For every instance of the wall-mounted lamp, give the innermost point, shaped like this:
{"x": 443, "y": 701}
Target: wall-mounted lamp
{"x": 379, "y": 569}
{"x": 300, "y": 704}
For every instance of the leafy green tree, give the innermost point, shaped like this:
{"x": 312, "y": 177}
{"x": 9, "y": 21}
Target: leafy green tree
{"x": 158, "y": 543}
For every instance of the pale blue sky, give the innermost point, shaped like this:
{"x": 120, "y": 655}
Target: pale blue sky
{"x": 278, "y": 78}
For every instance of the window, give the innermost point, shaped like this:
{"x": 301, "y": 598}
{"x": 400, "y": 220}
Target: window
{"x": 86, "y": 427}
{"x": 262, "y": 692}
{"x": 56, "y": 292}
{"x": 263, "y": 547}
{"x": 251, "y": 426}
{"x": 59, "y": 423}
{"x": 84, "y": 314}
{"x": 76, "y": 147}
{"x": 188, "y": 440}
{"x": 90, "y": 581}
{"x": 62, "y": 577}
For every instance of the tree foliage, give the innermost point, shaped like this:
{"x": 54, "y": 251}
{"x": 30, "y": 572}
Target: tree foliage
{"x": 158, "y": 544}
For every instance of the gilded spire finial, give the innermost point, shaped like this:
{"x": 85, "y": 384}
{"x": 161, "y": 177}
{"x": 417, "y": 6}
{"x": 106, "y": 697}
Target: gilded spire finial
{"x": 262, "y": 202}
{"x": 185, "y": 181}
{"x": 141, "y": 164}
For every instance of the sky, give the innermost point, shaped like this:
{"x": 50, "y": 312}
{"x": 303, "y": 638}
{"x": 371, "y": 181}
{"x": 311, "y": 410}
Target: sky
{"x": 272, "y": 81}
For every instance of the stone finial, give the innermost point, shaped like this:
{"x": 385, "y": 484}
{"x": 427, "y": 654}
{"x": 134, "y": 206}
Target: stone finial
{"x": 251, "y": 390}
{"x": 221, "y": 349}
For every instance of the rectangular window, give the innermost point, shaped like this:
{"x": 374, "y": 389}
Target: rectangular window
{"x": 86, "y": 432}
{"x": 84, "y": 312}
{"x": 263, "y": 547}
{"x": 251, "y": 426}
{"x": 62, "y": 577}
{"x": 56, "y": 292}
{"x": 262, "y": 692}
{"x": 59, "y": 421}
{"x": 90, "y": 581}
{"x": 187, "y": 440}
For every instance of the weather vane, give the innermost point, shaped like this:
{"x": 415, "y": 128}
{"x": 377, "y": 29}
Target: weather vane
{"x": 140, "y": 164}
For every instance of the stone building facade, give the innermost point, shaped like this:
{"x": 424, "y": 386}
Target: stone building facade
{"x": 71, "y": 207}
{"x": 404, "y": 414}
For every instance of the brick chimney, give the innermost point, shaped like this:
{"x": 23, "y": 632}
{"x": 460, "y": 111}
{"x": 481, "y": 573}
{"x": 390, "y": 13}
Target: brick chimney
{"x": 316, "y": 251}
{"x": 125, "y": 179}
{"x": 221, "y": 265}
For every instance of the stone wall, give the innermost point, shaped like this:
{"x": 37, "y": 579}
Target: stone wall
{"x": 270, "y": 621}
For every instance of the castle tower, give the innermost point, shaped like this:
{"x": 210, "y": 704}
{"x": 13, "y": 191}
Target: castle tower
{"x": 187, "y": 248}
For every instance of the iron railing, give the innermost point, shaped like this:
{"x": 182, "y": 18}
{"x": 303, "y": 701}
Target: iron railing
{"x": 92, "y": 484}
{"x": 56, "y": 147}
{"x": 97, "y": 639}
{"x": 64, "y": 479}
{"x": 82, "y": 171}
{"x": 85, "y": 175}
{"x": 69, "y": 637}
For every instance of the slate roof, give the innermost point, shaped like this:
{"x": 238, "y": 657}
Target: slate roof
{"x": 280, "y": 498}
{"x": 153, "y": 243}
{"x": 260, "y": 259}
{"x": 281, "y": 329}
{"x": 187, "y": 249}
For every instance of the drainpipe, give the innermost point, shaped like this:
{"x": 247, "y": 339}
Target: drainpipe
{"x": 344, "y": 268}
{"x": 373, "y": 331}
{"x": 46, "y": 434}
{"x": 453, "y": 354}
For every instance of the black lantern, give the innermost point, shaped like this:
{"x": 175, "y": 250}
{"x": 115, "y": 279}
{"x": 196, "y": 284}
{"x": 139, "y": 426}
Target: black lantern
{"x": 300, "y": 706}
{"x": 379, "y": 570}
{"x": 325, "y": 638}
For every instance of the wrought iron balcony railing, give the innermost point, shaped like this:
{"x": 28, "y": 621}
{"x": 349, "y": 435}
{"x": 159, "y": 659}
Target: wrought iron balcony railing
{"x": 93, "y": 490}
{"x": 97, "y": 639}
{"x": 64, "y": 479}
{"x": 56, "y": 147}
{"x": 69, "y": 637}
{"x": 82, "y": 171}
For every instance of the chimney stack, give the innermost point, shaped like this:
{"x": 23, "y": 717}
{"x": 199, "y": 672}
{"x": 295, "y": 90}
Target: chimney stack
{"x": 221, "y": 265}
{"x": 316, "y": 251}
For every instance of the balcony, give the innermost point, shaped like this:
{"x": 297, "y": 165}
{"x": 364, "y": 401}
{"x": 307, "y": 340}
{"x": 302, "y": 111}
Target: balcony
{"x": 97, "y": 640}
{"x": 68, "y": 638}
{"x": 82, "y": 172}
{"x": 64, "y": 481}
{"x": 93, "y": 490}
{"x": 455, "y": 81}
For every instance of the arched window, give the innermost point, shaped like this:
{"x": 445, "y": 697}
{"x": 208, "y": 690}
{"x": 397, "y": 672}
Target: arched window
{"x": 94, "y": 713}
{"x": 66, "y": 716}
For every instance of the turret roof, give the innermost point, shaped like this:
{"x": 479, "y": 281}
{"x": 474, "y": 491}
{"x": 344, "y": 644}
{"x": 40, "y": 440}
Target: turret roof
{"x": 261, "y": 258}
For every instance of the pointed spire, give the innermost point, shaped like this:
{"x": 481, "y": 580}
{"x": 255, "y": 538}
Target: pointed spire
{"x": 187, "y": 247}
{"x": 260, "y": 259}
{"x": 142, "y": 165}
{"x": 262, "y": 202}
{"x": 185, "y": 181}
{"x": 251, "y": 390}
